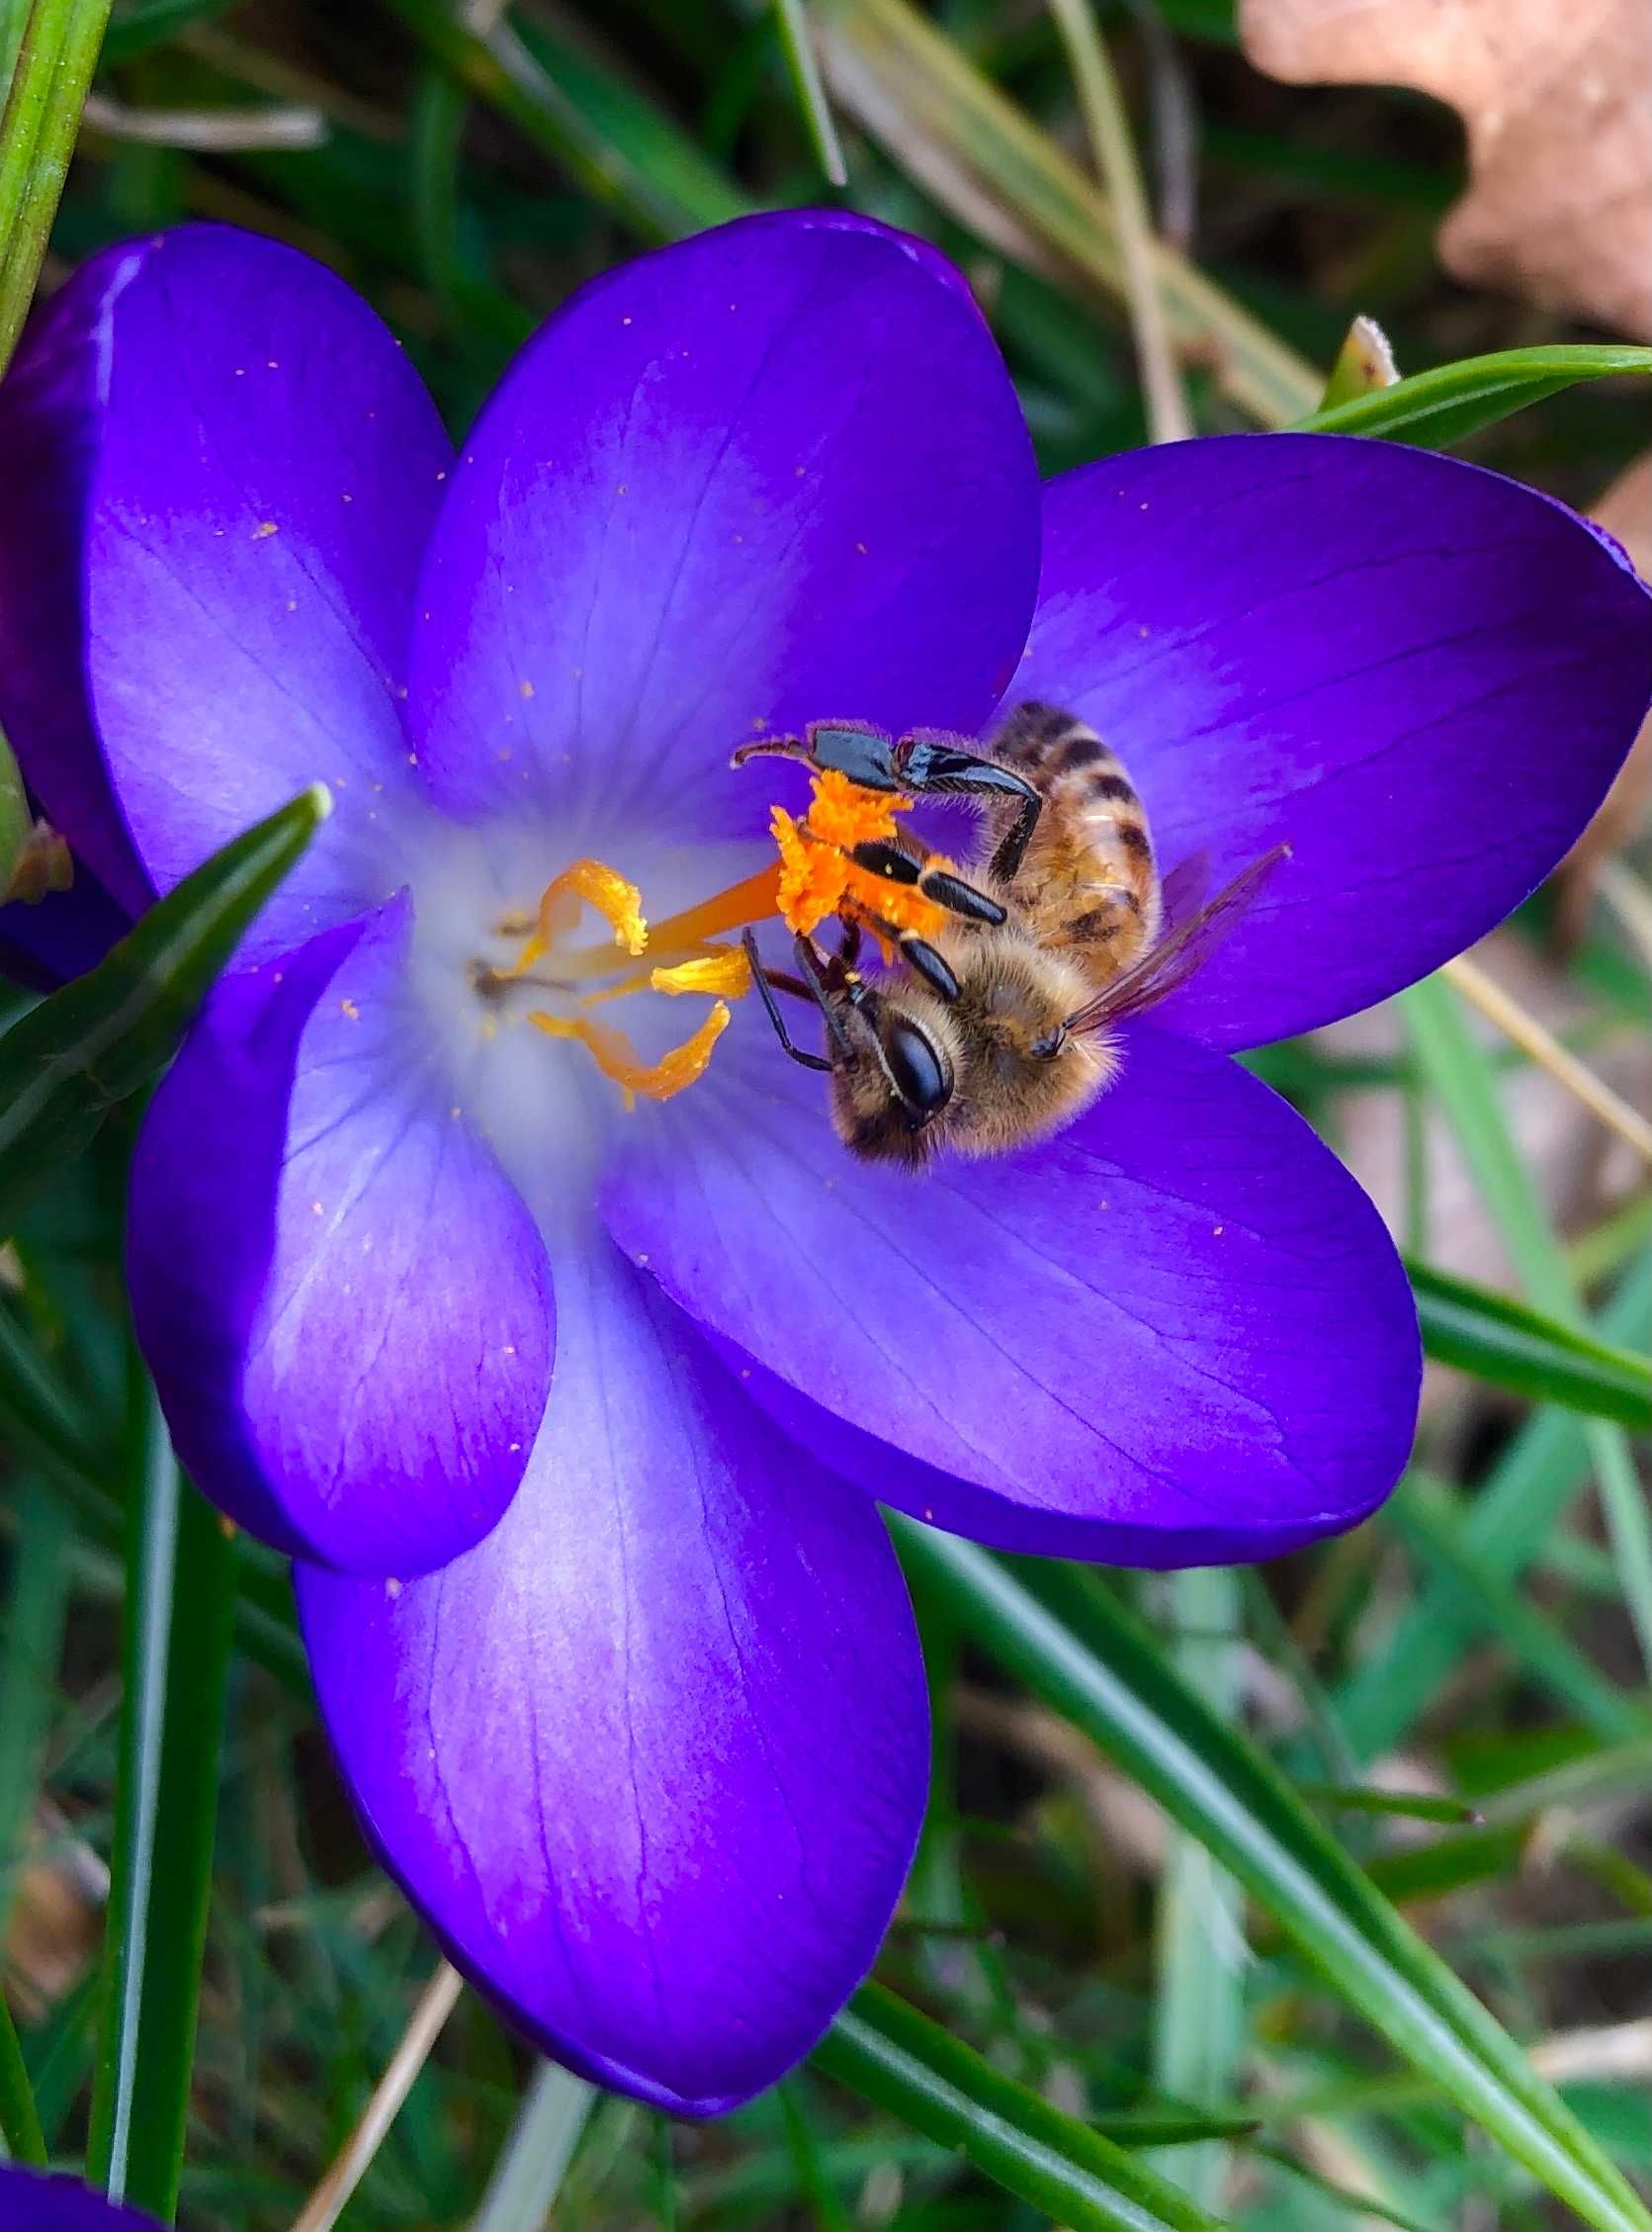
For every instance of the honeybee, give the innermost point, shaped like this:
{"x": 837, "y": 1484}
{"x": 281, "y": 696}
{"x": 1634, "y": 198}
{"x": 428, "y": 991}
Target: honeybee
{"x": 999, "y": 1030}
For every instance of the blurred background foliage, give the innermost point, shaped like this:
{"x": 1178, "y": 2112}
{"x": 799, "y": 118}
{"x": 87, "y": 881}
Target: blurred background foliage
{"x": 1482, "y": 1646}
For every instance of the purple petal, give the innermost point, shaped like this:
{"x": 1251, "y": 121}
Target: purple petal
{"x": 44, "y": 942}
{"x": 652, "y": 1759}
{"x": 32, "y": 2201}
{"x": 267, "y": 468}
{"x": 48, "y": 421}
{"x": 1420, "y": 675}
{"x": 1176, "y": 1334}
{"x": 775, "y": 474}
{"x": 345, "y": 1305}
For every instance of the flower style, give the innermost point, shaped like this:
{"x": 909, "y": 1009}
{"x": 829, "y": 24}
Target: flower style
{"x": 610, "y": 1640}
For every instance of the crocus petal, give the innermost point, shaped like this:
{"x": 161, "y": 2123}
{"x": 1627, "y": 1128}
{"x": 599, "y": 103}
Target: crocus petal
{"x": 49, "y": 422}
{"x": 1176, "y": 1334}
{"x": 44, "y": 942}
{"x": 652, "y": 1759}
{"x": 775, "y": 474}
{"x": 345, "y": 1305}
{"x": 266, "y": 468}
{"x": 1418, "y": 675}
{"x": 33, "y": 2202}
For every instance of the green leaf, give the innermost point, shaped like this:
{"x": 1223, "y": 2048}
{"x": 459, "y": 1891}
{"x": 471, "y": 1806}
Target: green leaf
{"x": 1463, "y": 1078}
{"x": 55, "y": 65}
{"x": 1364, "y": 365}
{"x": 884, "y": 2049}
{"x": 1098, "y": 1667}
{"x": 20, "y": 2122}
{"x": 1505, "y": 1342}
{"x": 1453, "y": 400}
{"x": 987, "y": 162}
{"x": 75, "y": 1055}
{"x": 180, "y": 1607}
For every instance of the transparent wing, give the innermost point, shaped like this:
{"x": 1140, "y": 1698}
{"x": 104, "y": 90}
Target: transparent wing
{"x": 1187, "y": 950}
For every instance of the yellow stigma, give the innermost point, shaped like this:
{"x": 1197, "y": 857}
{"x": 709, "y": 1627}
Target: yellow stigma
{"x": 683, "y": 956}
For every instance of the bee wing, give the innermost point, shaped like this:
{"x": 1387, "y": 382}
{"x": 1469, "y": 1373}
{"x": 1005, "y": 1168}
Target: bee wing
{"x": 1171, "y": 963}
{"x": 1184, "y": 887}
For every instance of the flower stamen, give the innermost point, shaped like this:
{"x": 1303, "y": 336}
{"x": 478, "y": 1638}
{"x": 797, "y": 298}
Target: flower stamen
{"x": 819, "y": 874}
{"x": 618, "y": 1059}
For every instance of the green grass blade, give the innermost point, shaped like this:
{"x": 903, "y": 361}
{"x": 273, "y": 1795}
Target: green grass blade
{"x": 55, "y": 65}
{"x": 87, "y": 1048}
{"x": 1096, "y": 1665}
{"x": 20, "y": 2122}
{"x": 985, "y": 160}
{"x": 608, "y": 138}
{"x": 180, "y": 1607}
{"x": 1502, "y": 1341}
{"x": 1464, "y": 1082}
{"x": 1513, "y": 1519}
{"x": 1442, "y": 405}
{"x": 30, "y": 1648}
{"x": 798, "y": 44}
{"x": 888, "y": 2053}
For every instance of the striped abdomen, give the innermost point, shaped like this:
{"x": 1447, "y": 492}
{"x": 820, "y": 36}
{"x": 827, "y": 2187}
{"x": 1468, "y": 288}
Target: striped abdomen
{"x": 1089, "y": 884}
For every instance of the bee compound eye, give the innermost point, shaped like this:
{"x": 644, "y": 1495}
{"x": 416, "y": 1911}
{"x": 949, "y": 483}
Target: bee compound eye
{"x": 917, "y": 1069}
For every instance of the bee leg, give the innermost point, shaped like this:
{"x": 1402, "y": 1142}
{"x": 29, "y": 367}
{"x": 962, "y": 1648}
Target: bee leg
{"x": 932, "y": 766}
{"x": 919, "y": 954}
{"x": 848, "y": 747}
{"x": 881, "y": 858}
{"x": 825, "y": 979}
{"x": 760, "y": 979}
{"x": 771, "y": 748}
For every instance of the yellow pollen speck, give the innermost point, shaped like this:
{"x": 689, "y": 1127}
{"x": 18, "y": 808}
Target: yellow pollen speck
{"x": 315, "y": 1209}
{"x": 861, "y": 547}
{"x": 263, "y": 528}
{"x": 292, "y": 604}
{"x": 271, "y": 364}
{"x": 525, "y": 686}
{"x": 393, "y": 1588}
{"x": 349, "y": 1008}
{"x": 625, "y": 321}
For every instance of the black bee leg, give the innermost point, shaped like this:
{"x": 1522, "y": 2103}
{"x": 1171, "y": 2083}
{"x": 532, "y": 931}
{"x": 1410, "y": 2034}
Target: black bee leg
{"x": 932, "y": 766}
{"x": 770, "y": 748}
{"x": 771, "y": 1006}
{"x": 823, "y": 977}
{"x": 850, "y": 944}
{"x": 845, "y": 748}
{"x": 919, "y": 954}
{"x": 882, "y": 859}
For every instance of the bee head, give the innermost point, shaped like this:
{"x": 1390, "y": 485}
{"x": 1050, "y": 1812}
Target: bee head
{"x": 893, "y": 1076}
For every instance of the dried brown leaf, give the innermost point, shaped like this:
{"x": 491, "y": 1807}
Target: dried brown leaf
{"x": 1557, "y": 102}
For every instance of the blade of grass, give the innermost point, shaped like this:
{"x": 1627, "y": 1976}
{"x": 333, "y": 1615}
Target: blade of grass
{"x": 1514, "y": 1516}
{"x": 85, "y": 1048}
{"x": 1442, "y": 405}
{"x": 55, "y": 65}
{"x": 798, "y": 45}
{"x": 1200, "y": 1953}
{"x": 531, "y": 2163}
{"x": 179, "y": 1610}
{"x": 1079, "y": 1651}
{"x": 985, "y": 161}
{"x": 1465, "y": 1085}
{"x": 898, "y": 2059}
{"x": 29, "y": 1649}
{"x": 1511, "y": 1346}
{"x": 20, "y": 2122}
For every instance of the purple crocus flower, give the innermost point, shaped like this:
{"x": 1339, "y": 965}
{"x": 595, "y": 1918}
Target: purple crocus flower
{"x": 613, "y": 1647}
{"x": 31, "y": 2200}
